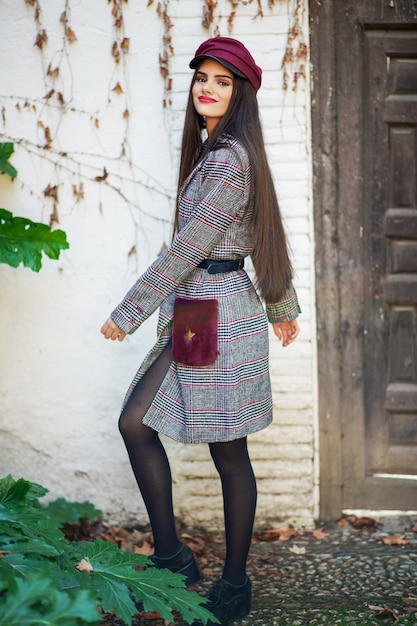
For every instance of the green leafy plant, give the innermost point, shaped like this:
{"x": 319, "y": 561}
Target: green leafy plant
{"x": 45, "y": 579}
{"x": 21, "y": 240}
{"x": 6, "y": 151}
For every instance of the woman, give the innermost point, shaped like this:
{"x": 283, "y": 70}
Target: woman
{"x": 226, "y": 210}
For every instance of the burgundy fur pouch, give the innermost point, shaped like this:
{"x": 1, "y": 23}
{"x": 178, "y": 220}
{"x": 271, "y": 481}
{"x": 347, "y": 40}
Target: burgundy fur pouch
{"x": 194, "y": 331}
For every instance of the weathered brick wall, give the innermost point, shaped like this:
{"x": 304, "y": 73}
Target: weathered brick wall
{"x": 61, "y": 385}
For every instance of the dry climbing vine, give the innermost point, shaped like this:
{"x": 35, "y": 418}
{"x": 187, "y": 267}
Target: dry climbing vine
{"x": 167, "y": 48}
{"x": 296, "y": 51}
{"x": 293, "y": 63}
{"x": 73, "y": 169}
{"x": 121, "y": 44}
{"x": 57, "y": 102}
{"x": 54, "y": 97}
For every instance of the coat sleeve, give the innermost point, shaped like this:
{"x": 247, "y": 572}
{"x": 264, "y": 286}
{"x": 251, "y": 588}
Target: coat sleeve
{"x": 286, "y": 309}
{"x": 224, "y": 193}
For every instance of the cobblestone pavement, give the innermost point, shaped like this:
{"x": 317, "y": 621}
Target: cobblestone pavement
{"x": 349, "y": 576}
{"x": 336, "y": 574}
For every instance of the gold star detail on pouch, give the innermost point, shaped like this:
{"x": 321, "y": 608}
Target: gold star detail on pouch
{"x": 189, "y": 335}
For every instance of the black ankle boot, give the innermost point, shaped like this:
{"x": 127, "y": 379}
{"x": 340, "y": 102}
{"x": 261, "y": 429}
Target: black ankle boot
{"x": 228, "y": 602}
{"x": 182, "y": 562}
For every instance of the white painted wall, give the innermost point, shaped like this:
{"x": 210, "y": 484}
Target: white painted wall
{"x": 61, "y": 384}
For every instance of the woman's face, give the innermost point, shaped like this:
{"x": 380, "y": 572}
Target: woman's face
{"x": 212, "y": 91}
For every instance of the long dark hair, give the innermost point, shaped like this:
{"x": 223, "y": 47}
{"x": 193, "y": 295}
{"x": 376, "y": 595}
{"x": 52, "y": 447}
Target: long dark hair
{"x": 270, "y": 252}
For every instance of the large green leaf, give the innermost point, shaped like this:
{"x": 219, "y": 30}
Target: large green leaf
{"x": 22, "y": 521}
{"x": 6, "y": 151}
{"x": 28, "y": 546}
{"x": 158, "y": 590}
{"x": 64, "y": 512}
{"x": 36, "y": 602}
{"x": 19, "y": 566}
{"x": 23, "y": 241}
{"x": 116, "y": 579}
{"x": 39, "y": 583}
{"x": 14, "y": 491}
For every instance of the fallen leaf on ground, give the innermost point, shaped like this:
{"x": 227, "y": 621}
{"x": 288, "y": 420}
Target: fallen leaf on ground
{"x": 297, "y": 549}
{"x": 196, "y": 542}
{"x": 214, "y": 538}
{"x": 410, "y": 605}
{"x": 151, "y": 615}
{"x": 362, "y": 522}
{"x": 129, "y": 540}
{"x": 84, "y": 565}
{"x": 395, "y": 540}
{"x": 282, "y": 534}
{"x": 384, "y": 611}
{"x": 146, "y": 549}
{"x": 319, "y": 533}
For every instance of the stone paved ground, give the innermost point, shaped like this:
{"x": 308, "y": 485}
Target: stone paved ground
{"x": 337, "y": 574}
{"x": 339, "y": 579}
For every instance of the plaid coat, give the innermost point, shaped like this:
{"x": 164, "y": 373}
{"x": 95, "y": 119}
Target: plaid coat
{"x": 232, "y": 397}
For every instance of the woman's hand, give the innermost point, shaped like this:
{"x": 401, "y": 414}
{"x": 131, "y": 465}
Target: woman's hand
{"x": 286, "y": 331}
{"x": 110, "y": 330}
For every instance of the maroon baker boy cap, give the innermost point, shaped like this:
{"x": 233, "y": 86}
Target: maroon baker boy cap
{"x": 232, "y": 54}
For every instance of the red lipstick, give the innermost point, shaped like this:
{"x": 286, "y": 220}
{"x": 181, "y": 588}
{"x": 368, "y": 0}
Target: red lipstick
{"x": 206, "y": 99}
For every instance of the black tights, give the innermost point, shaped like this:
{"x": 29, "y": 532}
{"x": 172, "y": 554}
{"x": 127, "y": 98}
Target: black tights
{"x": 153, "y": 474}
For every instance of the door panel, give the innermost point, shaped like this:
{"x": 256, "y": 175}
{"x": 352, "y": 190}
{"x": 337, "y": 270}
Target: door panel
{"x": 390, "y": 125}
{"x": 364, "y": 59}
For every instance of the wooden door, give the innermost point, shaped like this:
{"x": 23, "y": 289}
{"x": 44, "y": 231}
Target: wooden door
{"x": 364, "y": 60}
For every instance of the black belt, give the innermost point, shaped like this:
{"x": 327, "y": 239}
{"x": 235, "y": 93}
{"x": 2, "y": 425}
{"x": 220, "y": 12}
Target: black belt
{"x": 216, "y": 266}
